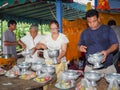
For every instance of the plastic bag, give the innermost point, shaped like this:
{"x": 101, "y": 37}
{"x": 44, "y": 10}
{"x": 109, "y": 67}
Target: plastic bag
{"x": 113, "y": 85}
{"x": 85, "y": 85}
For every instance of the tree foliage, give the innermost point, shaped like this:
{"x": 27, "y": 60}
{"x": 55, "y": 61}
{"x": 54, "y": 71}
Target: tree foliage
{"x": 22, "y": 29}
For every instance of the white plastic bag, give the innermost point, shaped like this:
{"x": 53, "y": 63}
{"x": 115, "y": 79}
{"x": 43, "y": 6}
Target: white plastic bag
{"x": 113, "y": 85}
{"x": 84, "y": 85}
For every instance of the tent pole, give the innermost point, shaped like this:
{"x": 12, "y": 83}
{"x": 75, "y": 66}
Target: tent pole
{"x": 59, "y": 13}
{"x": 1, "y": 34}
{"x": 96, "y": 3}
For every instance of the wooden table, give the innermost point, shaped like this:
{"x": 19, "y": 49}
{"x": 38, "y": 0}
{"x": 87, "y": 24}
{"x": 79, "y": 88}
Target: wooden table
{"x": 20, "y": 84}
{"x": 101, "y": 85}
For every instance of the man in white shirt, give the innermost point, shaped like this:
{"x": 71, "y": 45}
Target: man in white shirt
{"x": 29, "y": 42}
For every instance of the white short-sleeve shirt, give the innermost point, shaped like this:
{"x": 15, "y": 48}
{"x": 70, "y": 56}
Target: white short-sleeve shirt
{"x": 31, "y": 43}
{"x": 54, "y": 44}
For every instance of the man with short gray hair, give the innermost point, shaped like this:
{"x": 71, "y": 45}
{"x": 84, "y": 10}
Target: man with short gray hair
{"x": 29, "y": 42}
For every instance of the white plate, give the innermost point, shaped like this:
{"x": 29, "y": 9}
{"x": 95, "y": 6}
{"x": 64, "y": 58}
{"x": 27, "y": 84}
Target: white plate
{"x": 10, "y": 76}
{"x": 28, "y": 75}
{"x": 41, "y": 81}
{"x": 2, "y": 72}
{"x": 58, "y": 86}
{"x": 27, "y": 78}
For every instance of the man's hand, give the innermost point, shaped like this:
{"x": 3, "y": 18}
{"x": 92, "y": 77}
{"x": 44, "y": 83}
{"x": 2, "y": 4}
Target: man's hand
{"x": 105, "y": 55}
{"x": 23, "y": 46}
{"x": 58, "y": 60}
{"x": 82, "y": 48}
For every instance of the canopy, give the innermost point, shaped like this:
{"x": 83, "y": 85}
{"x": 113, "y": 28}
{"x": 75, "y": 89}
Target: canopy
{"x": 38, "y": 11}
{"x": 42, "y": 11}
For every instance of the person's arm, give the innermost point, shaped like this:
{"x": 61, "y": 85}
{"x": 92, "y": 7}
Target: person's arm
{"x": 111, "y": 49}
{"x": 7, "y": 43}
{"x": 82, "y": 48}
{"x": 63, "y": 52}
{"x": 22, "y": 44}
{"x": 40, "y": 46}
{"x": 81, "y": 44}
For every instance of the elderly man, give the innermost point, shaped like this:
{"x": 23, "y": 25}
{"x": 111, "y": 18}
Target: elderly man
{"x": 29, "y": 42}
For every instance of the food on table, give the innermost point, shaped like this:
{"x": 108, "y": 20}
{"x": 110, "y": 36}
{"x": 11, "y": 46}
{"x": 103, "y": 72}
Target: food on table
{"x": 42, "y": 79}
{"x": 28, "y": 76}
{"x": 11, "y": 74}
{"x": 2, "y": 71}
{"x": 14, "y": 72}
{"x": 65, "y": 83}
{"x": 47, "y": 78}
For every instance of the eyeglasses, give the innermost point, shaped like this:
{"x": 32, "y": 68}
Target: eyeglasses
{"x": 53, "y": 28}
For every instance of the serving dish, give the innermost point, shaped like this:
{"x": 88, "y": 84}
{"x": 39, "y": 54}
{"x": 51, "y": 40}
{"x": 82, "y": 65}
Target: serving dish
{"x": 48, "y": 69}
{"x": 70, "y": 74}
{"x": 96, "y": 59}
{"x": 65, "y": 86}
{"x": 43, "y": 78}
{"x": 28, "y": 75}
{"x": 93, "y": 77}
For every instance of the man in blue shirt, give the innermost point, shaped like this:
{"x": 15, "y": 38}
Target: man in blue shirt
{"x": 98, "y": 38}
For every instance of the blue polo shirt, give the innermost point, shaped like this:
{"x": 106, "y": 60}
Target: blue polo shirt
{"x": 98, "y": 40}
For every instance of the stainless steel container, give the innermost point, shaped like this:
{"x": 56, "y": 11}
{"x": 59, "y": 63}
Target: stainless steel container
{"x": 53, "y": 54}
